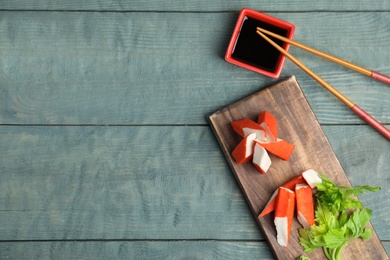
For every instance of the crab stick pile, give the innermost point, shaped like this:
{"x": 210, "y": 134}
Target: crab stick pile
{"x": 259, "y": 139}
{"x": 295, "y": 194}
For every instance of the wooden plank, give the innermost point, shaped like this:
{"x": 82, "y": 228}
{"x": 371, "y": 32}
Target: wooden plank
{"x": 115, "y": 183}
{"x": 106, "y": 68}
{"x": 151, "y": 250}
{"x": 177, "y": 5}
{"x": 148, "y": 182}
{"x": 297, "y": 125}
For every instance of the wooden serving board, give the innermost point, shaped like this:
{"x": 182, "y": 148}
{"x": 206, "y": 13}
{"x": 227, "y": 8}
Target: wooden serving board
{"x": 299, "y": 126}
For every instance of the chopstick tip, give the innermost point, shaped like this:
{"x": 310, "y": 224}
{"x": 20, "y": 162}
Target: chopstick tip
{"x": 260, "y": 33}
{"x": 259, "y": 29}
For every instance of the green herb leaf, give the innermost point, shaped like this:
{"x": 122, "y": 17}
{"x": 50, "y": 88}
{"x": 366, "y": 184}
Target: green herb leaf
{"x": 366, "y": 234}
{"x": 335, "y": 238}
{"x": 340, "y": 217}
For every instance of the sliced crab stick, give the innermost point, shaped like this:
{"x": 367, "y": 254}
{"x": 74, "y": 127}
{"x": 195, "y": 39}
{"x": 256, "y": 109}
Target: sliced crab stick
{"x": 261, "y": 158}
{"x": 293, "y": 182}
{"x": 268, "y": 121}
{"x": 289, "y": 185}
{"x": 246, "y": 126}
{"x": 284, "y": 213}
{"x": 311, "y": 177}
{"x": 305, "y": 205}
{"x": 244, "y": 150}
{"x": 270, "y": 205}
{"x": 280, "y": 148}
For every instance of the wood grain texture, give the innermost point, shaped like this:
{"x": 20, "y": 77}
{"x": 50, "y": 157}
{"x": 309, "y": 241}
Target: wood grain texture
{"x": 298, "y": 125}
{"x": 117, "y": 183}
{"x": 151, "y": 250}
{"x": 144, "y": 182}
{"x": 121, "y": 162}
{"x": 197, "y": 6}
{"x": 117, "y": 68}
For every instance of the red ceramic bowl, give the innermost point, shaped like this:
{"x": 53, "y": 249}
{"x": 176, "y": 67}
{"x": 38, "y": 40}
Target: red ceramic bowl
{"x": 249, "y": 50}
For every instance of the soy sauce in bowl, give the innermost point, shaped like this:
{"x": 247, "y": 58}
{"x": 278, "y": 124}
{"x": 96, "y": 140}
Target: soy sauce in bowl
{"x": 249, "y": 50}
{"x": 252, "y": 49}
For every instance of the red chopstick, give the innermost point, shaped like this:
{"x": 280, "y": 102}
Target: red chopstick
{"x": 373, "y": 74}
{"x": 355, "y": 108}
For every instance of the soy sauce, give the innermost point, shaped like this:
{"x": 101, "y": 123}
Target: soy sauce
{"x": 252, "y": 49}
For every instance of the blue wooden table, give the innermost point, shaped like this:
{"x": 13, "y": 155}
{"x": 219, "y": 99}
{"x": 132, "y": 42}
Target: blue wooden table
{"x": 106, "y": 150}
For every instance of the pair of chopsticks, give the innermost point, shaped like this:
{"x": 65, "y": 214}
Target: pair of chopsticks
{"x": 354, "y": 107}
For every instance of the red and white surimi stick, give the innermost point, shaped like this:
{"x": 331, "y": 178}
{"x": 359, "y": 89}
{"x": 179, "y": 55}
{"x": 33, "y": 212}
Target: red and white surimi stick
{"x": 261, "y": 158}
{"x": 270, "y": 205}
{"x": 293, "y": 182}
{"x": 280, "y": 148}
{"x": 244, "y": 150}
{"x": 311, "y": 177}
{"x": 305, "y": 205}
{"x": 284, "y": 213}
{"x": 246, "y": 126}
{"x": 272, "y": 202}
{"x": 270, "y": 124}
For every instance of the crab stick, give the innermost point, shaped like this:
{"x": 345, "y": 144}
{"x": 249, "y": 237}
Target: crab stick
{"x": 311, "y": 177}
{"x": 261, "y": 158}
{"x": 270, "y": 205}
{"x": 269, "y": 123}
{"x": 305, "y": 205}
{"x": 289, "y": 185}
{"x": 284, "y": 213}
{"x": 246, "y": 126}
{"x": 280, "y": 148}
{"x": 244, "y": 150}
{"x": 293, "y": 182}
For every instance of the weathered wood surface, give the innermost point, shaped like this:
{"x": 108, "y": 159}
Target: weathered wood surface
{"x": 117, "y": 68}
{"x": 197, "y": 6}
{"x": 91, "y": 183}
{"x": 105, "y": 147}
{"x": 298, "y": 125}
{"x": 151, "y": 250}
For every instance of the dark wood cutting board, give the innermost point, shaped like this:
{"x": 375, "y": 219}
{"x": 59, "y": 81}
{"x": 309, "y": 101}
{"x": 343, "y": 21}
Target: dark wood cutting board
{"x": 299, "y": 126}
